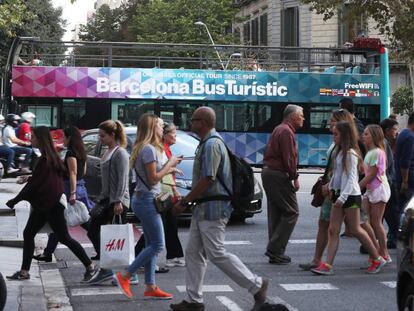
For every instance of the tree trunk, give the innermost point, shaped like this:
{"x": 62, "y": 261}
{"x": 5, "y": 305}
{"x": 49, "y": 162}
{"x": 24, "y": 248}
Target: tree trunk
{"x": 411, "y": 68}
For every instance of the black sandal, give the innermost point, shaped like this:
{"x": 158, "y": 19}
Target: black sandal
{"x": 18, "y": 276}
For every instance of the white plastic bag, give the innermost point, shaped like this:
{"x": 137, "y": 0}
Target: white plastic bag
{"x": 76, "y": 214}
{"x": 117, "y": 246}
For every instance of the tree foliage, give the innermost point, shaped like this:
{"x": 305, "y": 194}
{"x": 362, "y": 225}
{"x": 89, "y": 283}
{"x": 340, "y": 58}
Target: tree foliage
{"x": 402, "y": 100}
{"x": 394, "y": 19}
{"x": 159, "y": 21}
{"x": 173, "y": 21}
{"x": 30, "y": 18}
{"x": 12, "y": 13}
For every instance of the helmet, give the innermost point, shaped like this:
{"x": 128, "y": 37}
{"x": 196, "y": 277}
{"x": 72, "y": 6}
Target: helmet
{"x": 28, "y": 116}
{"x": 12, "y": 120}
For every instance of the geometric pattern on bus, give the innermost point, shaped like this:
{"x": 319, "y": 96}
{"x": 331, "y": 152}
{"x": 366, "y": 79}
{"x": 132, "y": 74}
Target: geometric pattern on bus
{"x": 81, "y": 82}
{"x": 250, "y": 146}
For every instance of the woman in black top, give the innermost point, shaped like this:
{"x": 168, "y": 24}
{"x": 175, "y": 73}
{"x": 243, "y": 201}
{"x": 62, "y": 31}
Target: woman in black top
{"x": 44, "y": 190}
{"x": 74, "y": 185}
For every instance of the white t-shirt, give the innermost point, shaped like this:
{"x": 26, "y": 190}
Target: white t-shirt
{"x": 7, "y": 133}
{"x": 1, "y": 137}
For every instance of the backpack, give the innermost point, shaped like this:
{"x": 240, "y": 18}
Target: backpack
{"x": 243, "y": 181}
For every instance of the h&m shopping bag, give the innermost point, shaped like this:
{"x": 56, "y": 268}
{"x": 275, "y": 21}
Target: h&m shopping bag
{"x": 117, "y": 246}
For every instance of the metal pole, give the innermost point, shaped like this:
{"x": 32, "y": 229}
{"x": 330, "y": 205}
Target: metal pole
{"x": 214, "y": 45}
{"x": 212, "y": 41}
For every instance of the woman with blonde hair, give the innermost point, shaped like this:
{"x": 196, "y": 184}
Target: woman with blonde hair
{"x": 375, "y": 181}
{"x": 115, "y": 181}
{"x": 147, "y": 162}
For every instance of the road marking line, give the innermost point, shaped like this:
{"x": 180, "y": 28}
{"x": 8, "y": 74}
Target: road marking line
{"x": 308, "y": 286}
{"x": 84, "y": 245}
{"x": 309, "y": 241}
{"x": 229, "y": 304}
{"x": 277, "y": 300}
{"x": 392, "y": 284}
{"x": 91, "y": 291}
{"x": 54, "y": 289}
{"x": 237, "y": 243}
{"x": 208, "y": 288}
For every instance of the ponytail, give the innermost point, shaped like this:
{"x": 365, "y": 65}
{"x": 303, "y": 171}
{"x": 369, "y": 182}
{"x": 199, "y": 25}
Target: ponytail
{"x": 120, "y": 135}
{"x": 116, "y": 128}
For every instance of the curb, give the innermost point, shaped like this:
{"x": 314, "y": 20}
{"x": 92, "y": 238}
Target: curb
{"x": 12, "y": 243}
{"x": 55, "y": 290}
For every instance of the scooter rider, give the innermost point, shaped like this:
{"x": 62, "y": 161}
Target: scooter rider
{"x": 24, "y": 132}
{"x": 5, "y": 151}
{"x": 10, "y": 140}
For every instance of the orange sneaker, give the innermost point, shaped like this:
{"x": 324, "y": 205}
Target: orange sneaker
{"x": 123, "y": 284}
{"x": 157, "y": 293}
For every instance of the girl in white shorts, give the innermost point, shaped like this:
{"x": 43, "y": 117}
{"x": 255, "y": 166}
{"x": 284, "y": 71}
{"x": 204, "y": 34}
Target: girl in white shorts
{"x": 375, "y": 181}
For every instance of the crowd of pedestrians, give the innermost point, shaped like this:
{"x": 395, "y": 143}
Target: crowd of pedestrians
{"x": 369, "y": 175}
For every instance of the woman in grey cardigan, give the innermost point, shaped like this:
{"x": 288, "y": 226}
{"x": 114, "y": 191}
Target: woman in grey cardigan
{"x": 115, "y": 179}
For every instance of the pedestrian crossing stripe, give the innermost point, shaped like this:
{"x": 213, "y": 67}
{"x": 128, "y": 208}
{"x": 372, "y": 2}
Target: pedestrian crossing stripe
{"x": 390, "y": 284}
{"x": 308, "y": 241}
{"x": 84, "y": 245}
{"x": 308, "y": 286}
{"x": 237, "y": 243}
{"x": 91, "y": 291}
{"x": 208, "y": 288}
{"x": 228, "y": 303}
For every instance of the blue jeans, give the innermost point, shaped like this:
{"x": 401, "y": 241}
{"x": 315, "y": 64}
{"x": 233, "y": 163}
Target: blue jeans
{"x": 144, "y": 208}
{"x": 18, "y": 150}
{"x": 8, "y": 153}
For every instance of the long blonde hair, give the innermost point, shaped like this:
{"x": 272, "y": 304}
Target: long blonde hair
{"x": 117, "y": 128}
{"x": 146, "y": 134}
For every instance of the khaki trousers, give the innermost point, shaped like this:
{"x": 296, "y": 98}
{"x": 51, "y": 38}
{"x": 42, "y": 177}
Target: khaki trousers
{"x": 207, "y": 242}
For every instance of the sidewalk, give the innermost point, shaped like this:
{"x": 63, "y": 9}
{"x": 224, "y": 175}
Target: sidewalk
{"x": 21, "y": 295}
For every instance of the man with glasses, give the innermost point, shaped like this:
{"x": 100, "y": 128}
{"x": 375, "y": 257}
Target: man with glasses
{"x": 281, "y": 181}
{"x": 211, "y": 172}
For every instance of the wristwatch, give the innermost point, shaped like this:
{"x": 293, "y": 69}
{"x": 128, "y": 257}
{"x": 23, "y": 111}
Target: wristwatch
{"x": 184, "y": 202}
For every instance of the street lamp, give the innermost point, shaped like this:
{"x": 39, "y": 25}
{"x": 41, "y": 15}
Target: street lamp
{"x": 199, "y": 23}
{"x": 231, "y": 56}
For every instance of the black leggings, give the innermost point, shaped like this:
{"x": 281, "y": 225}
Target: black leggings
{"x": 56, "y": 219}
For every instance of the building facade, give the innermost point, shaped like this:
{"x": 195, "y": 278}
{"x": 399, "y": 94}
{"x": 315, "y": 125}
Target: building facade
{"x": 289, "y": 23}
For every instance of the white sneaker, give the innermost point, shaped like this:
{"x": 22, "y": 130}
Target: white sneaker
{"x": 388, "y": 259}
{"x": 180, "y": 262}
{"x": 175, "y": 262}
{"x": 12, "y": 170}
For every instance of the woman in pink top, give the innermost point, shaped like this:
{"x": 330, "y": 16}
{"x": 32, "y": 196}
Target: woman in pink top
{"x": 375, "y": 181}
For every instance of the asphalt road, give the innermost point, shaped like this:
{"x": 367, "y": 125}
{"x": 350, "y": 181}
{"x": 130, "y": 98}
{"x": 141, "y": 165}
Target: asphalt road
{"x": 349, "y": 289}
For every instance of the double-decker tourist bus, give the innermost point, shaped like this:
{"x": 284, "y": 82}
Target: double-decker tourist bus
{"x": 84, "y": 83}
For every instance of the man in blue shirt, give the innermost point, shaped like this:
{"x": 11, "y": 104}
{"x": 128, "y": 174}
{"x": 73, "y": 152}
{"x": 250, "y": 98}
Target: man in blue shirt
{"x": 207, "y": 231}
{"x": 404, "y": 163}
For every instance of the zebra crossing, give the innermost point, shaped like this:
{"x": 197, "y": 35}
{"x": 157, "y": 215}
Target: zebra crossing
{"x": 220, "y": 290}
